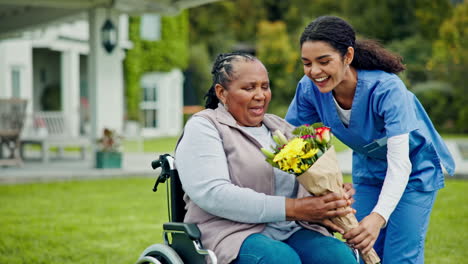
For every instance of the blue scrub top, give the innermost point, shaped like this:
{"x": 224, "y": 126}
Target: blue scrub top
{"x": 382, "y": 108}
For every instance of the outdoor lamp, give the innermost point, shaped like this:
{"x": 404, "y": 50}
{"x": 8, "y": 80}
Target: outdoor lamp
{"x": 108, "y": 36}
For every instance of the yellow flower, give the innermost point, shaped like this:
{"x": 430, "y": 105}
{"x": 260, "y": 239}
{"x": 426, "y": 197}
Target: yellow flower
{"x": 291, "y": 150}
{"x": 310, "y": 154}
{"x": 292, "y": 156}
{"x": 304, "y": 167}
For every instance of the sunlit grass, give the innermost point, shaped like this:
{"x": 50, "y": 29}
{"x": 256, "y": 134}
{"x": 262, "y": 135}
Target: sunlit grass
{"x": 113, "y": 220}
{"x": 99, "y": 221}
{"x": 164, "y": 144}
{"x": 167, "y": 144}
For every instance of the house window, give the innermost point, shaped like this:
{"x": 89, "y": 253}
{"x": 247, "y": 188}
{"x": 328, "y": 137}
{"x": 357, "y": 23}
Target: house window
{"x": 16, "y": 82}
{"x": 150, "y": 106}
{"x": 150, "y": 27}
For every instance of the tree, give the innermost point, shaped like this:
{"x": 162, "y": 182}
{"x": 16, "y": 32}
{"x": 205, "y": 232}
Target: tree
{"x": 197, "y": 76}
{"x": 450, "y": 60}
{"x": 280, "y": 58}
{"x": 430, "y": 14}
{"x": 381, "y": 20}
{"x": 416, "y": 52}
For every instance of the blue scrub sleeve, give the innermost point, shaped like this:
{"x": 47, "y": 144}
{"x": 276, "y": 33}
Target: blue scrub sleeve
{"x": 394, "y": 103}
{"x": 302, "y": 109}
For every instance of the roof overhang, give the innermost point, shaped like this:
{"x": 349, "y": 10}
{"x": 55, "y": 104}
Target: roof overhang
{"x": 21, "y": 15}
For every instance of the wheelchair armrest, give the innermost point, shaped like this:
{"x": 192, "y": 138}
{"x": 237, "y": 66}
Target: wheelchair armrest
{"x": 191, "y": 230}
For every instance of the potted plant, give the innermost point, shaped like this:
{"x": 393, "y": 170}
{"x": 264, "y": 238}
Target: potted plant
{"x": 109, "y": 154}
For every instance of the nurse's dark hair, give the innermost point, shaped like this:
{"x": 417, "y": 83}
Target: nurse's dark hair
{"x": 223, "y": 73}
{"x": 368, "y": 54}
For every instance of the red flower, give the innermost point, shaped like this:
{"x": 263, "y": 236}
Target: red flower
{"x": 323, "y": 135}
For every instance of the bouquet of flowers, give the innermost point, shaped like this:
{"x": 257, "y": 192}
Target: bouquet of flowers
{"x": 312, "y": 158}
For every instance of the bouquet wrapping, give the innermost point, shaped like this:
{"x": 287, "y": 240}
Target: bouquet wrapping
{"x": 312, "y": 158}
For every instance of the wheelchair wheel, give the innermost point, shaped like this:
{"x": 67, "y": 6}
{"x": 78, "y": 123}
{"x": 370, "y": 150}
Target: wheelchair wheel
{"x": 161, "y": 253}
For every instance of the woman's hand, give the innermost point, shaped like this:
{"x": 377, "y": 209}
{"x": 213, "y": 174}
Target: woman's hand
{"x": 319, "y": 209}
{"x": 364, "y": 236}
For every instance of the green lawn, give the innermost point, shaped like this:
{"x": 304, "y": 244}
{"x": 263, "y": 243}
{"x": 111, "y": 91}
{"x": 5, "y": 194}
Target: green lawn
{"x": 98, "y": 221}
{"x": 164, "y": 144}
{"x": 113, "y": 220}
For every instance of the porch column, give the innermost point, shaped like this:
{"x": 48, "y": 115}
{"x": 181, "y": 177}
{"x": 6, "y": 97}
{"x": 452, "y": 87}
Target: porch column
{"x": 105, "y": 75}
{"x": 70, "y": 72}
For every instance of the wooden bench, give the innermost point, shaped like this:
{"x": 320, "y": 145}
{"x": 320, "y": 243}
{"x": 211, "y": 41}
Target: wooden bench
{"x": 50, "y": 129}
{"x": 12, "y": 114}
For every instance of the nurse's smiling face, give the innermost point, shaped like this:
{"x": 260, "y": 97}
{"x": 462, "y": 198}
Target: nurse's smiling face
{"x": 325, "y": 66}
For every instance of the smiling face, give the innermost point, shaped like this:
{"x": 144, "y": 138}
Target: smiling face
{"x": 248, "y": 94}
{"x": 324, "y": 65}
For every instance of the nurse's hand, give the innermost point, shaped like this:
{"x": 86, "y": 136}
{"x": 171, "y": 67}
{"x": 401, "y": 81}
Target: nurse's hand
{"x": 349, "y": 190}
{"x": 364, "y": 236}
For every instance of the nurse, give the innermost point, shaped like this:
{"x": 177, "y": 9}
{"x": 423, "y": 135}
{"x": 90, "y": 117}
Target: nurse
{"x": 351, "y": 86}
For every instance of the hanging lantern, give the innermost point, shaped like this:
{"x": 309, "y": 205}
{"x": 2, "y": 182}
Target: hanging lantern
{"x": 109, "y": 36}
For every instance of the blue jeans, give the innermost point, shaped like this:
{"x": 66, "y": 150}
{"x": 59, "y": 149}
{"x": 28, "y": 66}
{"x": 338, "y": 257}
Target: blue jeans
{"x": 402, "y": 240}
{"x": 304, "y": 246}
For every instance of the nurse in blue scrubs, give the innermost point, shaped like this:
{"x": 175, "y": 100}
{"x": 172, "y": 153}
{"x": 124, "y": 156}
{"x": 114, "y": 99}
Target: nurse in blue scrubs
{"x": 351, "y": 86}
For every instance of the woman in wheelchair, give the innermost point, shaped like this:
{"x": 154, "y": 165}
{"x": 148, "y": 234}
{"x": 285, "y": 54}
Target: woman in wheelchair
{"x": 246, "y": 210}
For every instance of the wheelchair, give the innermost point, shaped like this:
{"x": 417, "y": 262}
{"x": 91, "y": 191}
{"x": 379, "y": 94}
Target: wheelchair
{"x": 182, "y": 242}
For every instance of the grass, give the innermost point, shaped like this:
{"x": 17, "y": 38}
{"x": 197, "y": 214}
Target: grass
{"x": 113, "y": 220}
{"x": 167, "y": 144}
{"x": 98, "y": 221}
{"x": 164, "y": 144}
{"x": 448, "y": 229}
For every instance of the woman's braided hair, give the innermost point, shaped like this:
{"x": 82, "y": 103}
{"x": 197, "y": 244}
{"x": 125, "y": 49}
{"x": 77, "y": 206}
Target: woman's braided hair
{"x": 223, "y": 73}
{"x": 368, "y": 54}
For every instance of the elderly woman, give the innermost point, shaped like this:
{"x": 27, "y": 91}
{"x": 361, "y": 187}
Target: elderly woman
{"x": 248, "y": 211}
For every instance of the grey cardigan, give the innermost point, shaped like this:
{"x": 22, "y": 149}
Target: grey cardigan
{"x": 247, "y": 169}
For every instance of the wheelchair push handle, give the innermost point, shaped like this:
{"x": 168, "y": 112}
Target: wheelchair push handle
{"x": 155, "y": 164}
{"x": 166, "y": 162}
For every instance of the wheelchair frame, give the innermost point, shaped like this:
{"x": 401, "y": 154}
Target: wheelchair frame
{"x": 182, "y": 242}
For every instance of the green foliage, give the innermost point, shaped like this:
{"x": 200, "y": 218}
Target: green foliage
{"x": 279, "y": 57}
{"x": 416, "y": 52}
{"x": 429, "y": 34}
{"x": 430, "y": 14}
{"x": 299, "y": 13}
{"x": 154, "y": 56}
{"x": 442, "y": 112}
{"x": 198, "y": 74}
{"x": 381, "y": 20}
{"x": 213, "y": 26}
{"x": 450, "y": 60}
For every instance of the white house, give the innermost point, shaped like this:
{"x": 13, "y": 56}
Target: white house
{"x": 51, "y": 64}
{"x": 55, "y": 48}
